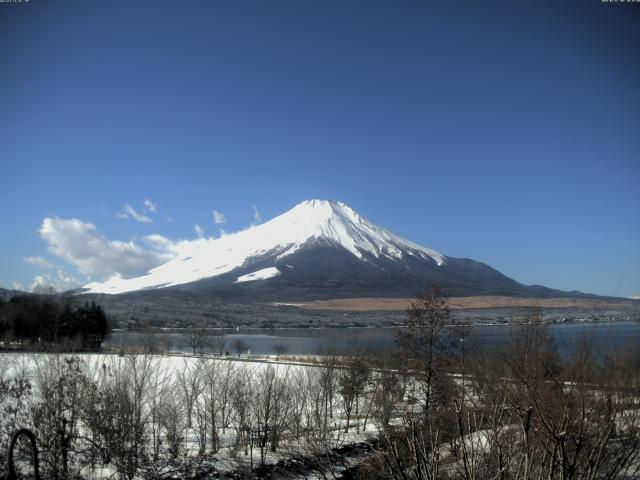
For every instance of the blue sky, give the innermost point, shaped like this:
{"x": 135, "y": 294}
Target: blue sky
{"x": 505, "y": 131}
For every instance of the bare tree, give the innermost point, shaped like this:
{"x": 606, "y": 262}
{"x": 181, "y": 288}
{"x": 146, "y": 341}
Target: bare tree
{"x": 570, "y": 410}
{"x": 416, "y": 444}
{"x": 172, "y": 421}
{"x": 318, "y": 418}
{"x": 216, "y": 397}
{"x": 197, "y": 340}
{"x": 165, "y": 344}
{"x": 299, "y": 402}
{"x": 240, "y": 346}
{"x": 217, "y": 344}
{"x": 16, "y": 393}
{"x": 280, "y": 349}
{"x": 328, "y": 380}
{"x": 242, "y": 394}
{"x": 320, "y": 435}
{"x": 200, "y": 410}
{"x": 161, "y": 381}
{"x": 270, "y": 408}
{"x": 421, "y": 339}
{"x": 384, "y": 394}
{"x": 190, "y": 380}
{"x": 56, "y": 416}
{"x": 118, "y": 420}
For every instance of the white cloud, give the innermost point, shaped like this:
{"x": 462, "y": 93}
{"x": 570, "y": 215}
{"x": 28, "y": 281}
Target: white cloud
{"x": 66, "y": 281}
{"x": 41, "y": 285}
{"x": 218, "y": 217}
{"x": 150, "y": 206}
{"x": 256, "y": 214}
{"x": 129, "y": 212}
{"x": 80, "y": 244}
{"x": 38, "y": 262}
{"x": 17, "y": 285}
{"x": 38, "y": 280}
{"x": 92, "y": 254}
{"x": 160, "y": 243}
{"x": 47, "y": 284}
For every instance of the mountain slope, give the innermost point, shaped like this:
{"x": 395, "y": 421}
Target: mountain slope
{"x": 318, "y": 249}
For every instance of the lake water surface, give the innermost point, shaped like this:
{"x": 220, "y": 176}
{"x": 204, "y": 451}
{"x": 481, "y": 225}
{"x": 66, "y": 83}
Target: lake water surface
{"x": 312, "y": 341}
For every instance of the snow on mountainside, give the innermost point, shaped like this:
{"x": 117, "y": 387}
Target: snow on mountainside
{"x": 312, "y": 221}
{"x": 263, "y": 274}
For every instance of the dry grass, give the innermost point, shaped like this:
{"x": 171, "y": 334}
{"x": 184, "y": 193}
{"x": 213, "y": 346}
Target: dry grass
{"x": 460, "y": 303}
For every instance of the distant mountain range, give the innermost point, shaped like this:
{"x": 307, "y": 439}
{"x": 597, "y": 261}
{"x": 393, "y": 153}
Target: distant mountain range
{"x": 317, "y": 250}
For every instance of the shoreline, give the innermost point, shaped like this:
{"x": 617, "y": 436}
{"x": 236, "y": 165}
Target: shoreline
{"x": 248, "y": 330}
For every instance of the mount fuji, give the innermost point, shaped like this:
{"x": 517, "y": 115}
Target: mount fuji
{"x": 317, "y": 250}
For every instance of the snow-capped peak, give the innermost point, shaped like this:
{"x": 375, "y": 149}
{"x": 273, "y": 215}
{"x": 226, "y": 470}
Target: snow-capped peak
{"x": 337, "y": 222}
{"x": 312, "y": 220}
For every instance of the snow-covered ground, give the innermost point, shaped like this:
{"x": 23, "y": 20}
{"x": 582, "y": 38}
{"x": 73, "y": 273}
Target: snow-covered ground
{"x": 170, "y": 367}
{"x": 298, "y": 380}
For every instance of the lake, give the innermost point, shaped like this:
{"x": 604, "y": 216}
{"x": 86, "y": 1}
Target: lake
{"x": 312, "y": 341}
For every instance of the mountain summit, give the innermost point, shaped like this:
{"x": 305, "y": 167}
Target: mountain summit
{"x": 318, "y": 249}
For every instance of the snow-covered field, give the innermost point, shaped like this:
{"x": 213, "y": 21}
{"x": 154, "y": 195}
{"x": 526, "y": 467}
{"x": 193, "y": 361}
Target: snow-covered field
{"x": 236, "y": 394}
{"x": 154, "y": 414}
